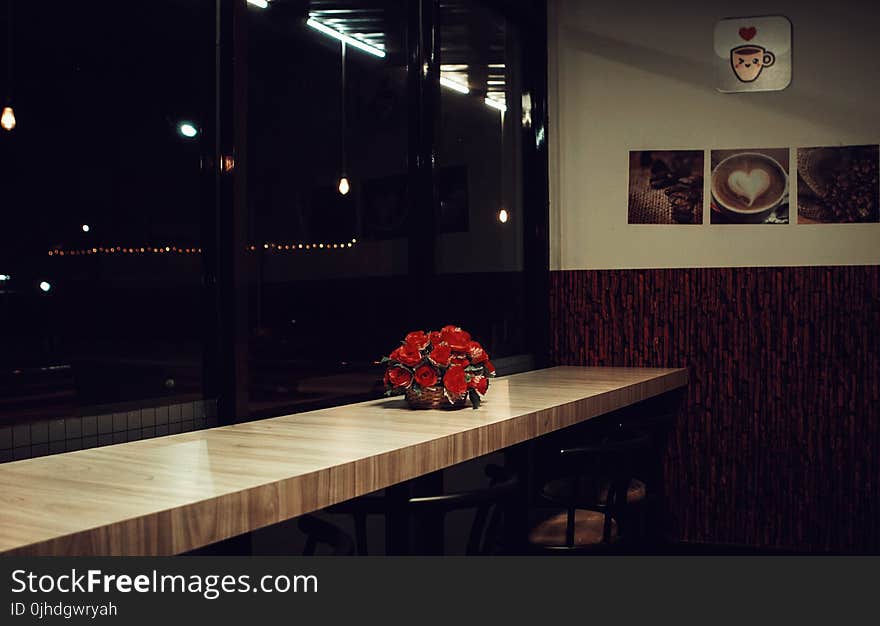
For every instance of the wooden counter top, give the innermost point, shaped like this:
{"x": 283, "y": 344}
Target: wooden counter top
{"x": 173, "y": 494}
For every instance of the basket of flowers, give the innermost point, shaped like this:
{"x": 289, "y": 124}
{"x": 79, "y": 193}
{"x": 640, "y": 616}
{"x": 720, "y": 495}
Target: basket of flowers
{"x": 438, "y": 369}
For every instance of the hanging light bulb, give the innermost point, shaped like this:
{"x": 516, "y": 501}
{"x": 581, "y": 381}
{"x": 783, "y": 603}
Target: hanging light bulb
{"x": 344, "y": 186}
{"x": 503, "y": 216}
{"x": 7, "y": 119}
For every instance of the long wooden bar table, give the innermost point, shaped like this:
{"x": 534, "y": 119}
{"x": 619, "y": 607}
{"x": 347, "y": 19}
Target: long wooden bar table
{"x": 173, "y": 494}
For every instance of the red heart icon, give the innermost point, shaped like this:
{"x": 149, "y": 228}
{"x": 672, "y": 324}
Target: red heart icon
{"x": 748, "y": 33}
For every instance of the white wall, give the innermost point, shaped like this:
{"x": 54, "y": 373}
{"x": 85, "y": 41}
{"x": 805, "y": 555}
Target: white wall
{"x": 629, "y": 75}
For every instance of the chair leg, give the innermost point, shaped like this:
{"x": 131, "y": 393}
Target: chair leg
{"x": 360, "y": 530}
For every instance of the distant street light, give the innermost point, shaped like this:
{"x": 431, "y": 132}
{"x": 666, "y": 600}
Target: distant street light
{"x": 187, "y": 130}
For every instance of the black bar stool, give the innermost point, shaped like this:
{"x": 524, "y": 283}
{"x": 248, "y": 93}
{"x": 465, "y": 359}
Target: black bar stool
{"x": 321, "y": 532}
{"x": 490, "y": 505}
{"x": 597, "y": 502}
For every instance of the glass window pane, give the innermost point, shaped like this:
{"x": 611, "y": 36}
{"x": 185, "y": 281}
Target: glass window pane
{"x": 479, "y": 250}
{"x": 323, "y": 263}
{"x": 105, "y": 198}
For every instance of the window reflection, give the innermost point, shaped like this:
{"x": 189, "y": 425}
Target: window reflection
{"x": 104, "y": 194}
{"x": 479, "y": 246}
{"x": 327, "y": 113}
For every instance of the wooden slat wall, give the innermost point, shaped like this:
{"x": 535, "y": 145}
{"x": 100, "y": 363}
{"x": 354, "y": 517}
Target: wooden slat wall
{"x": 779, "y": 443}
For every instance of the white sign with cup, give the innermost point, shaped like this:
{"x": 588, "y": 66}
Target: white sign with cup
{"x": 752, "y": 54}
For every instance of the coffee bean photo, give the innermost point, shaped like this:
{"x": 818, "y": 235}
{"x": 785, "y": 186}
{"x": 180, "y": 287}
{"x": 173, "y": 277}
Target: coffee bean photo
{"x": 838, "y": 185}
{"x": 665, "y": 187}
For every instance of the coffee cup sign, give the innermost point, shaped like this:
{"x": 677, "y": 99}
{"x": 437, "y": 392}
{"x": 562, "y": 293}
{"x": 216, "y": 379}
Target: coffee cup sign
{"x": 748, "y": 61}
{"x": 753, "y": 54}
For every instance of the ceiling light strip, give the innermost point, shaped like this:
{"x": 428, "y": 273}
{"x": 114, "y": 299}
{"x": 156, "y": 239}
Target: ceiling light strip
{"x": 351, "y": 41}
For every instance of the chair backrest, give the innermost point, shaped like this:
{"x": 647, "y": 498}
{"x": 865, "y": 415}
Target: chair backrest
{"x": 600, "y": 473}
{"x": 489, "y": 503}
{"x": 319, "y": 531}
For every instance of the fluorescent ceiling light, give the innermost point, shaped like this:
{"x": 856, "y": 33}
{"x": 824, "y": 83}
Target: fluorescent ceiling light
{"x": 351, "y": 41}
{"x": 496, "y": 104}
{"x": 263, "y": 4}
{"x": 454, "y": 85}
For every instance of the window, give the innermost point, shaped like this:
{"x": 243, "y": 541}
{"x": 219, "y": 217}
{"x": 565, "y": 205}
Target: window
{"x": 107, "y": 203}
{"x": 179, "y": 249}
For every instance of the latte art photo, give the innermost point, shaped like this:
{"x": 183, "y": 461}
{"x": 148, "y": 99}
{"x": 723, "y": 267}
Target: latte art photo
{"x": 750, "y": 186}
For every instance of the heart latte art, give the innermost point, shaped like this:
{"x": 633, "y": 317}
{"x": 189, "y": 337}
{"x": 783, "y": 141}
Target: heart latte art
{"x": 749, "y": 185}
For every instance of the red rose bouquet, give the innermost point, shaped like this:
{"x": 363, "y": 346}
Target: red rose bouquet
{"x": 445, "y": 364}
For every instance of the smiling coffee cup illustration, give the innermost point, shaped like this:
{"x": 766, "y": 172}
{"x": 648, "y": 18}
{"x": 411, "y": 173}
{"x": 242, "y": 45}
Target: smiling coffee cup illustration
{"x": 748, "y": 186}
{"x": 752, "y": 54}
{"x": 748, "y": 61}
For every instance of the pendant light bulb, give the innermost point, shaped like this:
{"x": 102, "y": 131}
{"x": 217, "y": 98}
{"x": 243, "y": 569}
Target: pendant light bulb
{"x": 344, "y": 185}
{"x": 7, "y": 119}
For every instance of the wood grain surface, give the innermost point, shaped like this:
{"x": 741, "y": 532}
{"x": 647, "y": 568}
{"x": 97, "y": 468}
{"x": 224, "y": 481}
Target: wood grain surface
{"x": 173, "y": 494}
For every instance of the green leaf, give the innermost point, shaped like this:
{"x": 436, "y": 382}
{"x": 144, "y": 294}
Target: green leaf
{"x": 475, "y": 398}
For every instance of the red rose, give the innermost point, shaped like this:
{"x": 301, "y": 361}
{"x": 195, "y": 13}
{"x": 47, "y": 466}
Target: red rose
{"x": 426, "y": 376}
{"x": 490, "y": 369}
{"x": 418, "y": 339}
{"x": 457, "y": 338}
{"x": 434, "y": 336}
{"x": 398, "y": 377}
{"x": 440, "y": 355}
{"x": 476, "y": 352}
{"x": 455, "y": 381}
{"x": 460, "y": 359}
{"x": 406, "y": 354}
{"x": 480, "y": 383}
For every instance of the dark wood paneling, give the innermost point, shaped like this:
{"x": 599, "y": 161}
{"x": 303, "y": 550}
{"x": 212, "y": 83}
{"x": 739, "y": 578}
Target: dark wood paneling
{"x": 779, "y": 442}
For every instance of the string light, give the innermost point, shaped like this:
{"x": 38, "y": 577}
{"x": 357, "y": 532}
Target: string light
{"x": 169, "y": 249}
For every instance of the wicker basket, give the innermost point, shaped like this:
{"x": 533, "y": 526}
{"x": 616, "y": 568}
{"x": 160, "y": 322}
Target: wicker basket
{"x": 433, "y": 398}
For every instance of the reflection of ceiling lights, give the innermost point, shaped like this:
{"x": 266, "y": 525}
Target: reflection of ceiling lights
{"x": 263, "y": 4}
{"x": 455, "y": 85}
{"x": 496, "y": 104}
{"x": 354, "y": 43}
